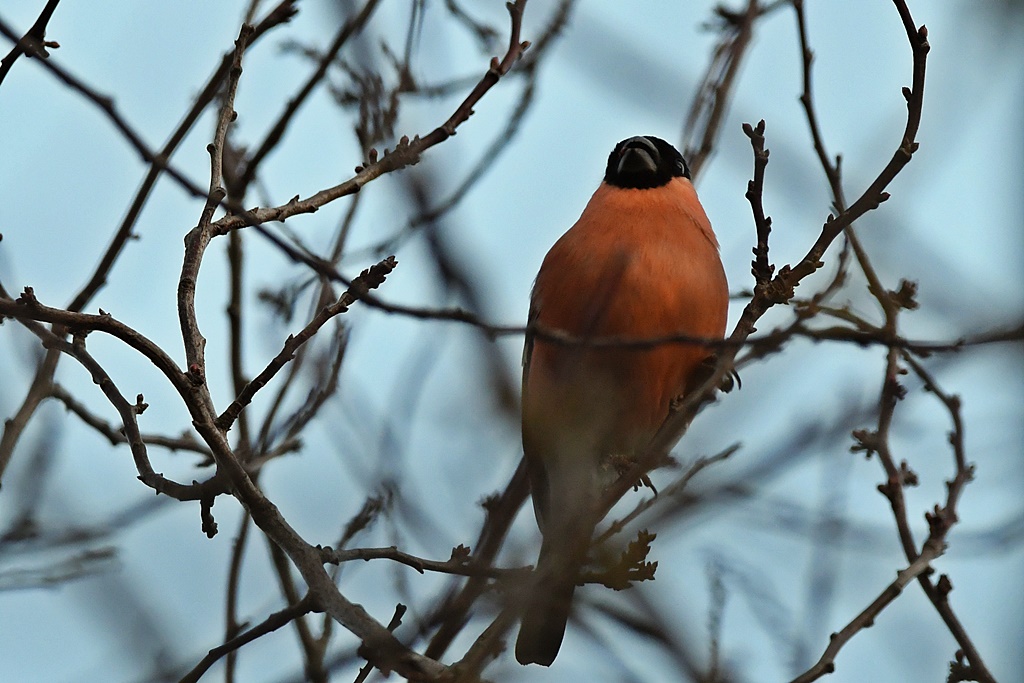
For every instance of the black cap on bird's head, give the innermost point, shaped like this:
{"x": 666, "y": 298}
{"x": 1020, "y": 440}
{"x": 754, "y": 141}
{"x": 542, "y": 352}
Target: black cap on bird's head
{"x": 644, "y": 162}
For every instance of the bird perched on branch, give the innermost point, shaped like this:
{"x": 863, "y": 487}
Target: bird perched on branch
{"x": 641, "y": 262}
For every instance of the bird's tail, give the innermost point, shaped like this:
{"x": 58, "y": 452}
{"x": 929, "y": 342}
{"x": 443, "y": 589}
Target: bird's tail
{"x": 547, "y": 608}
{"x": 562, "y": 555}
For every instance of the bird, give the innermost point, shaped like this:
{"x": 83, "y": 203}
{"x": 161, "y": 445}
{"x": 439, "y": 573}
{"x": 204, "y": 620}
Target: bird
{"x": 641, "y": 262}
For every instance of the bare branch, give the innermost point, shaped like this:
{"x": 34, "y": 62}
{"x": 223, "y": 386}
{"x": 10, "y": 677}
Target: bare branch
{"x": 406, "y": 153}
{"x": 116, "y": 437}
{"x": 760, "y": 268}
{"x": 460, "y": 563}
{"x": 273, "y": 137}
{"x": 918, "y": 568}
{"x": 33, "y": 43}
{"x": 268, "y": 625}
{"x": 371, "y": 278}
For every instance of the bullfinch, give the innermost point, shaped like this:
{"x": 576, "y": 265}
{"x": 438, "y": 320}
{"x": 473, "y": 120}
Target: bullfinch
{"x": 641, "y": 262}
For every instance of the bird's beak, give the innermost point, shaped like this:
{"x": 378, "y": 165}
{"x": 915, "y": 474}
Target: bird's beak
{"x": 638, "y": 155}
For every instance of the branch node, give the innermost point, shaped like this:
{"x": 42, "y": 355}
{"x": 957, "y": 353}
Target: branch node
{"x": 206, "y": 513}
{"x": 140, "y": 405}
{"x": 28, "y": 297}
{"x": 195, "y": 374}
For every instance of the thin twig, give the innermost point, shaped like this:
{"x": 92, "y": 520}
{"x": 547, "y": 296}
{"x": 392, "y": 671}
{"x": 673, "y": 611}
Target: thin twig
{"x": 406, "y": 153}
{"x": 268, "y": 625}
{"x": 371, "y": 278}
{"x": 185, "y": 442}
{"x": 460, "y": 564}
{"x": 918, "y": 568}
{"x": 396, "y": 621}
{"x": 783, "y": 285}
{"x": 106, "y": 104}
{"x": 892, "y": 304}
{"x": 761, "y": 269}
{"x": 312, "y": 651}
{"x": 33, "y": 43}
{"x": 668, "y": 493}
{"x": 199, "y": 237}
{"x": 231, "y": 625}
{"x": 274, "y": 136}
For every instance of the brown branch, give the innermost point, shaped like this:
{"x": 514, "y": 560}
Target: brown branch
{"x": 941, "y": 520}
{"x": 832, "y": 170}
{"x": 312, "y": 649}
{"x": 892, "y": 304}
{"x": 878, "y": 442}
{"x": 919, "y": 568}
{"x": 269, "y": 419}
{"x": 406, "y": 153}
{"x": 488, "y": 646}
{"x": 231, "y": 625}
{"x": 268, "y": 625}
{"x": 782, "y": 287}
{"x": 129, "y": 417}
{"x": 875, "y": 194}
{"x": 28, "y": 308}
{"x": 281, "y": 14}
{"x": 273, "y": 137}
{"x": 236, "y": 334}
{"x": 236, "y": 327}
{"x": 106, "y": 104}
{"x": 761, "y": 269}
{"x": 224, "y": 119}
{"x": 396, "y": 621}
{"x": 42, "y": 383}
{"x": 199, "y": 237}
{"x": 116, "y": 437}
{"x": 371, "y": 278}
{"x": 460, "y": 564}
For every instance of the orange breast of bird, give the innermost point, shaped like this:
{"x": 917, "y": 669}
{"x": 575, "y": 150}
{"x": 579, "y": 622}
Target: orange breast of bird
{"x": 639, "y": 263}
